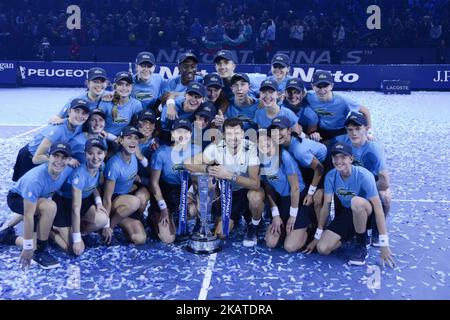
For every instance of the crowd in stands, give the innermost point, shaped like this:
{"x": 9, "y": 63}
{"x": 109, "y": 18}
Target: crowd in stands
{"x": 213, "y": 25}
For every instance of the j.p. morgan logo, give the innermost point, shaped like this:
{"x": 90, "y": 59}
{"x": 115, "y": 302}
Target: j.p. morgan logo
{"x": 4, "y": 66}
{"x": 442, "y": 76}
{"x": 51, "y": 72}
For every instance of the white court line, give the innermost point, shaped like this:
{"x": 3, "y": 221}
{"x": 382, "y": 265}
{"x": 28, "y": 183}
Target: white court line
{"x": 25, "y": 133}
{"x": 421, "y": 200}
{"x": 207, "y": 279}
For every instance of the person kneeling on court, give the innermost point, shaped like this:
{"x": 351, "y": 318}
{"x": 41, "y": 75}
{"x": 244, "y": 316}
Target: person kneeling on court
{"x": 286, "y": 192}
{"x": 356, "y": 198}
{"x": 79, "y": 205}
{"x": 30, "y": 200}
{"x": 235, "y": 159}
{"x": 124, "y": 198}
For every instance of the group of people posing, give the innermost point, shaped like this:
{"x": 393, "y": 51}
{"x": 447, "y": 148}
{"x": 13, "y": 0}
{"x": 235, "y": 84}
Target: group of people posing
{"x": 118, "y": 159}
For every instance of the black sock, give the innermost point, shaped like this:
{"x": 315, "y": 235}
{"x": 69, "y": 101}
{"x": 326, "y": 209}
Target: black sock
{"x": 361, "y": 238}
{"x": 42, "y": 245}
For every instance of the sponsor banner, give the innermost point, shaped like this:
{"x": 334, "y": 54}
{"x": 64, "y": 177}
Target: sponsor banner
{"x": 8, "y": 73}
{"x": 396, "y": 87}
{"x": 346, "y": 77}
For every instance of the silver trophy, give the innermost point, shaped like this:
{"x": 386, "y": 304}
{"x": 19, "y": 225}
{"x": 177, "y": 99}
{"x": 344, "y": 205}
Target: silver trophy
{"x": 204, "y": 241}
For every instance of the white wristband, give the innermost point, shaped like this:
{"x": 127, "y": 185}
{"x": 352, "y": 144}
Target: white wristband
{"x": 303, "y": 135}
{"x": 76, "y": 237}
{"x": 275, "y": 212}
{"x": 108, "y": 224}
{"x": 98, "y": 200}
{"x": 144, "y": 162}
{"x": 293, "y": 212}
{"x": 162, "y": 204}
{"x": 28, "y": 244}
{"x": 111, "y": 137}
{"x": 170, "y": 101}
{"x": 311, "y": 190}
{"x": 318, "y": 234}
{"x": 383, "y": 240}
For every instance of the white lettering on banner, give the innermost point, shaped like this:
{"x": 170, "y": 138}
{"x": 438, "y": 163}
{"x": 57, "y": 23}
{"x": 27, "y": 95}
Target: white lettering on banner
{"x": 338, "y": 75}
{"x": 353, "y": 57}
{"x": 4, "y": 66}
{"x": 445, "y": 77}
{"x": 397, "y": 88}
{"x": 69, "y": 73}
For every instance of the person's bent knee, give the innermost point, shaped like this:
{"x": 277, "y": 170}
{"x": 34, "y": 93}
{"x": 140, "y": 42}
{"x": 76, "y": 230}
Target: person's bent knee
{"x": 323, "y": 248}
{"x": 101, "y": 220}
{"x": 139, "y": 238}
{"x": 358, "y": 204}
{"x": 255, "y": 197}
{"x": 48, "y": 207}
{"x": 291, "y": 247}
{"x": 271, "y": 241}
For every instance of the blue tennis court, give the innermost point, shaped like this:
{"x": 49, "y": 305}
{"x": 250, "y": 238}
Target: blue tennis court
{"x": 413, "y": 130}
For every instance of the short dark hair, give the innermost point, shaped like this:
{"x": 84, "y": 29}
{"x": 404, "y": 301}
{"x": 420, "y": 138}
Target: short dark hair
{"x": 233, "y": 122}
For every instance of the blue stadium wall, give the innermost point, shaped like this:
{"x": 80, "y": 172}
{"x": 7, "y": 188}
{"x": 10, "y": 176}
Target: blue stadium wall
{"x": 347, "y": 77}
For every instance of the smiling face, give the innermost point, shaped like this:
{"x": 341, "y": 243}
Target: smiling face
{"x": 294, "y": 96}
{"x": 201, "y": 122}
{"x": 213, "y": 93}
{"x": 95, "y": 157}
{"x": 323, "y": 91}
{"x": 57, "y": 162}
{"x": 96, "y": 124}
{"x": 225, "y": 68}
{"x": 146, "y": 127}
{"x": 96, "y": 87}
{"x": 129, "y": 143}
{"x": 279, "y": 71}
{"x": 77, "y": 116}
{"x": 123, "y": 88}
{"x": 181, "y": 136}
{"x": 188, "y": 69}
{"x": 268, "y": 97}
{"x": 342, "y": 162}
{"x": 192, "y": 102}
{"x": 240, "y": 90}
{"x": 233, "y": 136}
{"x": 357, "y": 134}
{"x": 145, "y": 70}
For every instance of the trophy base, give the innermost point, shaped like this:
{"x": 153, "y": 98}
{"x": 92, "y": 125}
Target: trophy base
{"x": 182, "y": 237}
{"x": 201, "y": 244}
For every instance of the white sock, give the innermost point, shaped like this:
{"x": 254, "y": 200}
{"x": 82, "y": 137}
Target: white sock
{"x": 256, "y": 222}
{"x": 4, "y": 226}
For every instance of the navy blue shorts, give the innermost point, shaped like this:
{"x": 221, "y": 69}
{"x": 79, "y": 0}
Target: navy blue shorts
{"x": 305, "y": 214}
{"x": 135, "y": 215}
{"x": 63, "y": 217}
{"x": 308, "y": 175}
{"x": 15, "y": 204}
{"x": 24, "y": 163}
{"x": 171, "y": 194}
{"x": 239, "y": 206}
{"x": 343, "y": 221}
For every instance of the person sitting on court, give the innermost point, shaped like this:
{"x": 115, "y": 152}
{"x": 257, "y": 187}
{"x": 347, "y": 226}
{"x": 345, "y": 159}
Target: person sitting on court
{"x": 165, "y": 180}
{"x": 123, "y": 197}
{"x": 30, "y": 200}
{"x": 235, "y": 159}
{"x": 285, "y": 191}
{"x": 36, "y": 151}
{"x": 96, "y": 83}
{"x": 80, "y": 210}
{"x": 370, "y": 155}
{"x": 356, "y": 199}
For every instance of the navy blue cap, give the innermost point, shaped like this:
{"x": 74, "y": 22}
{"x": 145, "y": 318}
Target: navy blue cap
{"x": 145, "y": 57}
{"x": 129, "y": 130}
{"x": 95, "y": 73}
{"x": 79, "y": 103}
{"x": 322, "y": 76}
{"x": 182, "y": 123}
{"x": 224, "y": 54}
{"x": 341, "y": 148}
{"x": 206, "y": 109}
{"x": 62, "y": 147}
{"x": 280, "y": 122}
{"x": 98, "y": 111}
{"x": 187, "y": 55}
{"x": 295, "y": 83}
{"x": 281, "y": 58}
{"x": 147, "y": 115}
{"x": 356, "y": 118}
{"x": 123, "y": 75}
{"x": 95, "y": 142}
{"x": 197, "y": 88}
{"x": 269, "y": 83}
{"x": 240, "y": 76}
{"x": 213, "y": 79}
